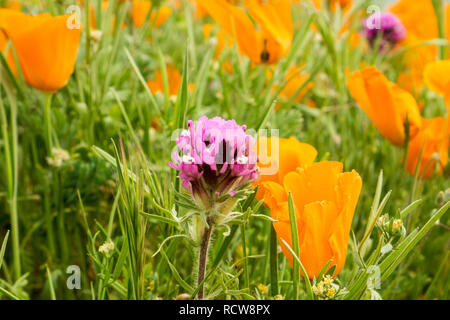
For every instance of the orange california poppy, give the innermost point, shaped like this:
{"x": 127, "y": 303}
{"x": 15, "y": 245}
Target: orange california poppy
{"x": 325, "y": 199}
{"x": 386, "y": 104}
{"x": 437, "y": 78}
{"x": 268, "y": 40}
{"x": 46, "y": 48}
{"x": 174, "y": 81}
{"x": 429, "y": 148}
{"x": 417, "y": 33}
{"x": 275, "y": 17}
{"x": 427, "y": 29}
{"x": 140, "y": 10}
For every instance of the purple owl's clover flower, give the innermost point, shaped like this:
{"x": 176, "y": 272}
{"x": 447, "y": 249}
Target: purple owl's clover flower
{"x": 388, "y": 25}
{"x": 214, "y": 158}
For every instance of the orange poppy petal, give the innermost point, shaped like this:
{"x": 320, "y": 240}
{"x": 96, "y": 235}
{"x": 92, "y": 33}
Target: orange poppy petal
{"x": 315, "y": 183}
{"x": 429, "y": 149}
{"x": 236, "y": 23}
{"x": 349, "y": 188}
{"x": 315, "y": 250}
{"x": 407, "y": 108}
{"x": 276, "y": 18}
{"x": 294, "y": 154}
{"x": 386, "y": 104}
{"x": 287, "y": 155}
{"x": 273, "y": 194}
{"x": 437, "y": 77}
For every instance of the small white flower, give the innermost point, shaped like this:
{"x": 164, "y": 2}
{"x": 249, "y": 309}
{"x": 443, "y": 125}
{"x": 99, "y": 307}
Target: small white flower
{"x": 106, "y": 247}
{"x": 213, "y": 41}
{"x": 381, "y": 221}
{"x": 436, "y": 156}
{"x": 58, "y": 157}
{"x": 397, "y": 224}
{"x": 96, "y": 35}
{"x": 328, "y": 280}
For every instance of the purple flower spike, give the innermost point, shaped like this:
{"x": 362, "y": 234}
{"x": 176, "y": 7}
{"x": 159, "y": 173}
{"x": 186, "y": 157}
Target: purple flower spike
{"x": 389, "y": 25}
{"x": 215, "y": 158}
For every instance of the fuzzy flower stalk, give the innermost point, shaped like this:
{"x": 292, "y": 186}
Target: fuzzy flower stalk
{"x": 384, "y": 26}
{"x": 216, "y": 160}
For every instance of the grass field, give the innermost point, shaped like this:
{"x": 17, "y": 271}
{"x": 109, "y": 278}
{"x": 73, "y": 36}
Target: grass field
{"x": 93, "y": 99}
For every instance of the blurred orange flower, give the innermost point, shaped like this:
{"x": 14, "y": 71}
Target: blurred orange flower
{"x": 428, "y": 150}
{"x": 386, "y": 104}
{"x": 296, "y": 78}
{"x": 265, "y": 43}
{"x": 437, "y": 78}
{"x": 141, "y": 9}
{"x": 417, "y": 33}
{"x": 46, "y": 47}
{"x": 325, "y": 199}
{"x": 174, "y": 81}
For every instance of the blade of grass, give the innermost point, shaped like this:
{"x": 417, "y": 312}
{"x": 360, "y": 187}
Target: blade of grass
{"x": 295, "y": 245}
{"x": 273, "y": 262}
{"x": 182, "y": 100}
{"x": 372, "y": 222}
{"x": 50, "y": 284}
{"x": 144, "y": 84}
{"x": 376, "y": 200}
{"x": 3, "y": 248}
{"x": 309, "y": 291}
{"x": 9, "y": 294}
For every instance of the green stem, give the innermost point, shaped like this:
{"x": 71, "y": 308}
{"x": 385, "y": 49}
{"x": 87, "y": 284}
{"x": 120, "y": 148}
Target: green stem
{"x": 13, "y": 201}
{"x": 48, "y": 192}
{"x": 244, "y": 249}
{"x": 49, "y": 218}
{"x": 48, "y": 124}
{"x": 11, "y": 160}
{"x": 202, "y": 257}
{"x": 62, "y": 232}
